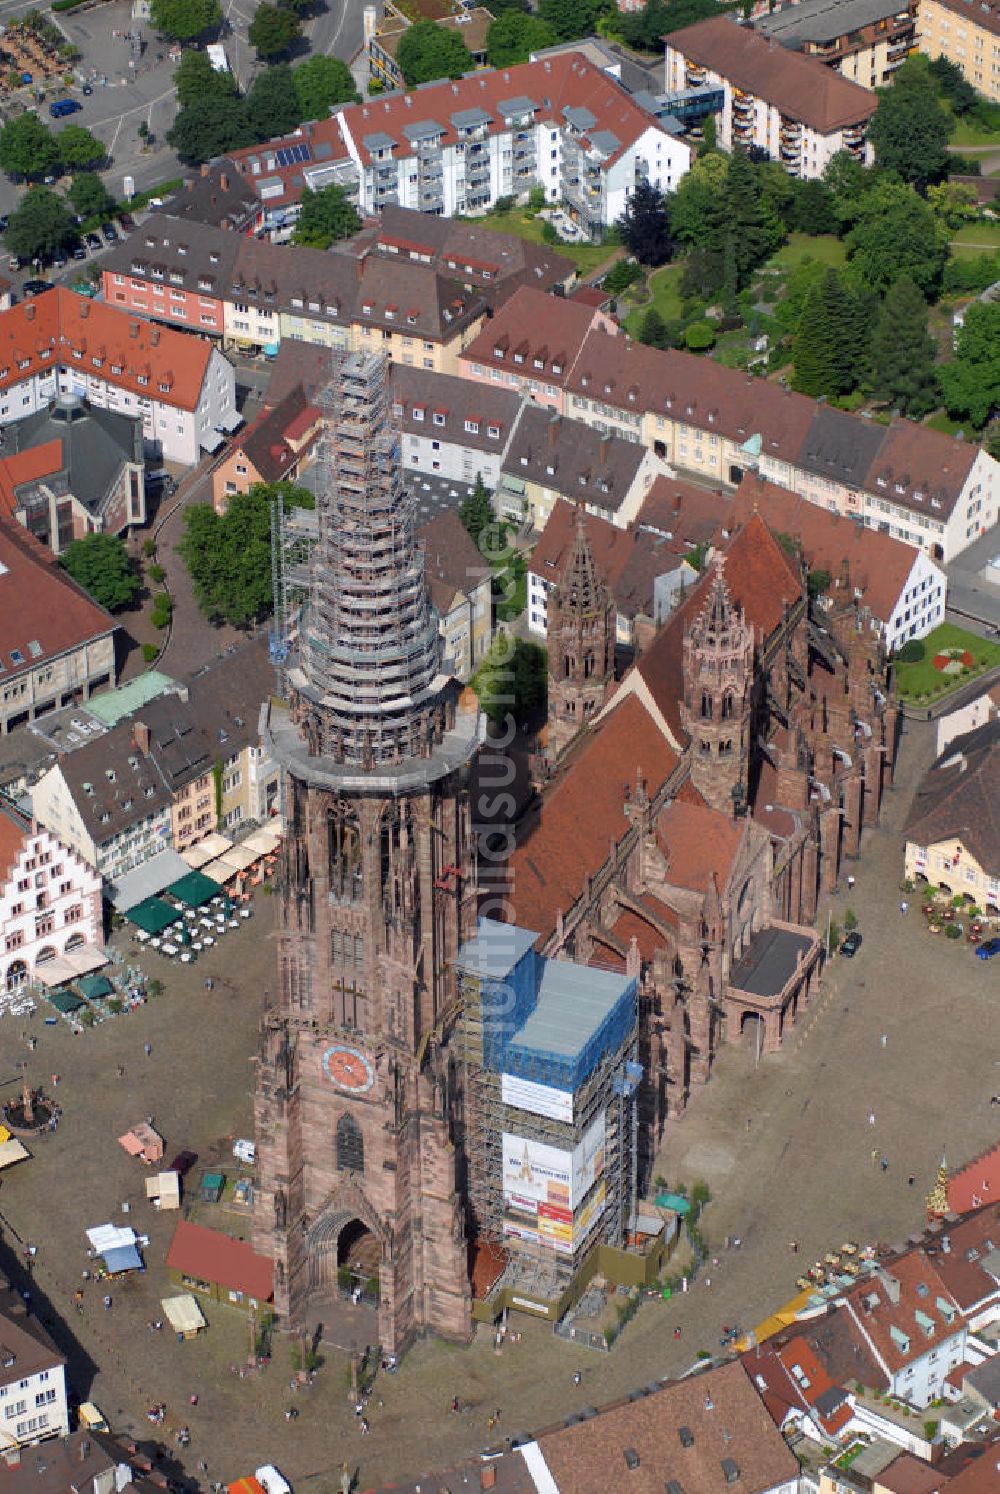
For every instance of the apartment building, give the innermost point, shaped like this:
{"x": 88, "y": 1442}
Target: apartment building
{"x": 57, "y": 647}
{"x": 50, "y": 902}
{"x": 452, "y": 428}
{"x": 254, "y": 294}
{"x": 532, "y": 343}
{"x": 455, "y": 147}
{"x": 783, "y": 102}
{"x": 33, "y": 1401}
{"x": 901, "y": 589}
{"x": 949, "y": 835}
{"x": 65, "y": 344}
{"x": 864, "y": 40}
{"x": 967, "y": 32}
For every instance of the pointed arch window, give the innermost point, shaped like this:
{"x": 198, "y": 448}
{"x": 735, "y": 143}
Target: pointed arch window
{"x": 727, "y": 706}
{"x": 706, "y": 706}
{"x": 350, "y": 1145}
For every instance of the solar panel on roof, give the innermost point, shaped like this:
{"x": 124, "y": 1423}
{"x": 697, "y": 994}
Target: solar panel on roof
{"x": 289, "y": 155}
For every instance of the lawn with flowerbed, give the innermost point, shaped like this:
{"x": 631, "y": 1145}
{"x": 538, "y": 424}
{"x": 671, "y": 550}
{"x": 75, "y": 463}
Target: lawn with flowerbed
{"x": 928, "y": 668}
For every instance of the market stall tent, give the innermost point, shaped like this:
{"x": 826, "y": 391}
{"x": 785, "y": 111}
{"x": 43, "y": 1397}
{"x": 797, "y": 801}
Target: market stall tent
{"x": 183, "y": 1314}
{"x": 193, "y": 890}
{"x": 66, "y": 1001}
{"x": 95, "y": 986}
{"x": 153, "y": 915}
{"x": 123, "y": 1258}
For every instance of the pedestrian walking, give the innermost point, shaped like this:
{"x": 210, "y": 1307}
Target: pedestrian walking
{"x": 850, "y": 883}
{"x": 904, "y": 907}
{"x": 147, "y": 1048}
{"x": 793, "y": 1246}
{"x": 577, "y": 1377}
{"x": 107, "y": 1303}
{"x": 874, "y": 1156}
{"x": 120, "y": 1071}
{"x": 910, "y": 1180}
{"x": 871, "y": 1117}
{"x": 677, "y": 1332}
{"x": 884, "y": 1039}
{"x": 365, "y": 1428}
{"x": 885, "y": 1164}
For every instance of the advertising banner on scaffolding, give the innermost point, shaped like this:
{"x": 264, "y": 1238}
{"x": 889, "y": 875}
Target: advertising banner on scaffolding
{"x": 538, "y": 1099}
{"x": 545, "y": 1186}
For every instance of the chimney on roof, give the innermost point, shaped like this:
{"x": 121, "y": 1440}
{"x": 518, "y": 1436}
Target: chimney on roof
{"x": 553, "y": 430}
{"x": 224, "y": 180}
{"x": 605, "y": 447}
{"x": 29, "y": 312}
{"x": 141, "y": 737}
{"x": 84, "y": 308}
{"x": 133, "y": 329}
{"x": 205, "y": 168}
{"x": 154, "y": 337}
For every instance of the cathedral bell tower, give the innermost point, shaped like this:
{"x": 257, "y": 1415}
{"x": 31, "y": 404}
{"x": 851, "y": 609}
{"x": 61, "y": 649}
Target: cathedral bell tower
{"x": 718, "y": 673}
{"x": 581, "y": 643}
{"x": 354, "y": 1103}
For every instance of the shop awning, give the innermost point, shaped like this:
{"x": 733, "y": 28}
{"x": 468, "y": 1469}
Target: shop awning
{"x": 183, "y": 1313}
{"x": 66, "y": 1001}
{"x": 123, "y": 1258}
{"x": 147, "y": 880}
{"x": 194, "y": 889}
{"x": 206, "y": 850}
{"x": 95, "y": 986}
{"x": 153, "y": 916}
{"x": 263, "y": 841}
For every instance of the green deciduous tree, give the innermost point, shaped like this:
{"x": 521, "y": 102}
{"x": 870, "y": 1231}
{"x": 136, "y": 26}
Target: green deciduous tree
{"x": 829, "y": 345}
{"x": 90, "y": 197}
{"x": 570, "y": 19}
{"x": 272, "y": 104}
{"x": 41, "y": 223}
{"x": 100, "y": 564}
{"x": 27, "y": 148}
{"x": 896, "y": 234}
{"x": 970, "y": 383}
{"x": 645, "y": 28}
{"x": 427, "y": 52}
{"x": 951, "y": 84}
{"x": 514, "y": 36}
{"x": 848, "y": 180}
{"x": 78, "y": 149}
{"x": 644, "y": 226}
{"x": 909, "y": 129}
{"x": 512, "y": 679}
{"x": 954, "y": 203}
{"x": 273, "y": 31}
{"x": 320, "y": 82}
{"x": 696, "y": 211}
{"x": 195, "y": 78}
{"x": 324, "y": 217}
{"x": 901, "y": 355}
{"x": 186, "y": 20}
{"x": 229, "y": 556}
{"x": 813, "y": 209}
{"x": 210, "y": 127}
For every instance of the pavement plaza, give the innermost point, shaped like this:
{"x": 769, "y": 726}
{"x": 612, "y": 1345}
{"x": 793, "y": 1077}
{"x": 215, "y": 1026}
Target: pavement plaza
{"x": 801, "y": 1171}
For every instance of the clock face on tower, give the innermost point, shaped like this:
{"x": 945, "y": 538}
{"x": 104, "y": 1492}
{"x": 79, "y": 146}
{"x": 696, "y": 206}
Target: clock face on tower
{"x": 348, "y": 1069}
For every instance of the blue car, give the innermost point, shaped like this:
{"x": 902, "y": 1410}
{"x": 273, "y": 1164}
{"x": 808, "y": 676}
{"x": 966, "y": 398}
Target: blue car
{"x": 988, "y": 949}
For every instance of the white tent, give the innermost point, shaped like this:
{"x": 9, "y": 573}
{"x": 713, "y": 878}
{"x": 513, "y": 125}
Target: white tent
{"x": 206, "y": 850}
{"x": 12, "y": 1151}
{"x": 65, "y": 968}
{"x": 183, "y": 1314}
{"x": 263, "y": 841}
{"x": 109, "y": 1237}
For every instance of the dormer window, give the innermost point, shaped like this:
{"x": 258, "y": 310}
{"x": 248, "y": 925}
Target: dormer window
{"x": 296, "y": 300}
{"x": 550, "y": 469}
{"x": 493, "y": 431}
{"x": 557, "y": 368}
{"x": 538, "y": 362}
{"x": 142, "y": 379}
{"x": 163, "y": 388}
{"x": 366, "y": 307}
{"x": 880, "y": 482}
{"x": 518, "y": 357}
{"x": 418, "y": 413}
{"x": 97, "y": 362}
{"x": 117, "y": 368}
{"x": 498, "y": 352}
{"x": 438, "y": 417}
{"x": 472, "y": 426}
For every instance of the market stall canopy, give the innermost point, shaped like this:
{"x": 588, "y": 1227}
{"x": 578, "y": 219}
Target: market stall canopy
{"x": 183, "y": 1313}
{"x": 206, "y": 850}
{"x": 66, "y": 1001}
{"x": 105, "y": 1237}
{"x": 147, "y": 880}
{"x": 123, "y": 1258}
{"x": 165, "y": 1189}
{"x": 11, "y": 1150}
{"x": 263, "y": 841}
{"x": 153, "y": 916}
{"x": 142, "y": 1141}
{"x": 72, "y": 965}
{"x": 95, "y": 986}
{"x": 193, "y": 889}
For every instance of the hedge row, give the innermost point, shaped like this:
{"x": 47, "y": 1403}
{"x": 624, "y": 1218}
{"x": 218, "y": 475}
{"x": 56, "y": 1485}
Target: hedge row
{"x": 60, "y": 5}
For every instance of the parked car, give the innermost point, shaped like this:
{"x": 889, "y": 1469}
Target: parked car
{"x": 126, "y": 222}
{"x": 15, "y": 263}
{"x": 63, "y": 107}
{"x": 59, "y": 256}
{"x": 93, "y": 241}
{"x": 36, "y": 287}
{"x": 91, "y": 1418}
{"x": 851, "y": 944}
{"x": 79, "y": 252}
{"x": 110, "y": 233}
{"x": 87, "y": 89}
{"x": 988, "y": 949}
{"x": 4, "y": 220}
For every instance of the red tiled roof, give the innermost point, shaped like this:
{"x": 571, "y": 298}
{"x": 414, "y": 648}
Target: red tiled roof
{"x": 552, "y": 83}
{"x": 975, "y": 1184}
{"x": 210, "y": 1256}
{"x": 856, "y": 557}
{"x": 802, "y": 87}
{"x": 14, "y": 830}
{"x": 534, "y": 324}
{"x": 37, "y": 336}
{"x": 761, "y": 580}
{"x": 27, "y": 466}
{"x": 583, "y": 811}
{"x": 687, "y": 513}
{"x": 877, "y": 1314}
{"x": 41, "y": 604}
{"x": 699, "y": 843}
